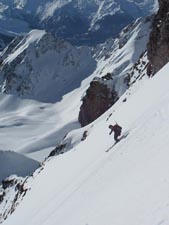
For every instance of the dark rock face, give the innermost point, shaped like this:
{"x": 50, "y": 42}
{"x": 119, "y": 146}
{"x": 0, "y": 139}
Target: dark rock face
{"x": 58, "y": 150}
{"x": 99, "y": 98}
{"x": 4, "y": 40}
{"x": 2, "y": 194}
{"x": 158, "y": 47}
{"x": 12, "y": 191}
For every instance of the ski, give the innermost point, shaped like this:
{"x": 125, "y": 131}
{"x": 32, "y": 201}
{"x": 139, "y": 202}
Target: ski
{"x": 121, "y": 138}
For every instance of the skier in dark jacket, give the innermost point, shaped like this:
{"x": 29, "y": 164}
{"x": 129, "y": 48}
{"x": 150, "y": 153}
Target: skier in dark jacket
{"x": 117, "y": 131}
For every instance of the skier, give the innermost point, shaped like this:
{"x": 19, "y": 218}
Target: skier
{"x": 117, "y": 131}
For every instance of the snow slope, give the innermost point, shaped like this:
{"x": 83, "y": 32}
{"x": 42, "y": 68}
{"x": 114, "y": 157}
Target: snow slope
{"x": 118, "y": 56}
{"x": 14, "y": 163}
{"x": 129, "y": 185}
{"x": 31, "y": 127}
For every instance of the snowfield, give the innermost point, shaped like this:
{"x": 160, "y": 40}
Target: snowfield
{"x": 39, "y": 127}
{"x": 128, "y": 185}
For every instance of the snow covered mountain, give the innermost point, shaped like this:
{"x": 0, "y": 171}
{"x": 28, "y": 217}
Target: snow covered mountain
{"x": 44, "y": 68}
{"x": 41, "y": 126}
{"x": 79, "y": 21}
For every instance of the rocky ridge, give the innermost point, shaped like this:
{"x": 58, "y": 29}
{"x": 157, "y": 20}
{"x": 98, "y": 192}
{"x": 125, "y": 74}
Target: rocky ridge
{"x": 86, "y": 22}
{"x": 12, "y": 192}
{"x": 158, "y": 47}
{"x": 42, "y": 67}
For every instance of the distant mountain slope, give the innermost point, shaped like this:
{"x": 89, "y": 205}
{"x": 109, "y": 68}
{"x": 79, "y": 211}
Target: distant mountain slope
{"x": 14, "y": 163}
{"x": 80, "y": 22}
{"x": 44, "y": 68}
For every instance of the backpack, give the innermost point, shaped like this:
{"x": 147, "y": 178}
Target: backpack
{"x": 117, "y": 129}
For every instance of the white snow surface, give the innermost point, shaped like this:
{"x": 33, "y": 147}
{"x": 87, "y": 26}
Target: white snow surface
{"x": 128, "y": 185}
{"x": 35, "y": 128}
{"x": 14, "y": 163}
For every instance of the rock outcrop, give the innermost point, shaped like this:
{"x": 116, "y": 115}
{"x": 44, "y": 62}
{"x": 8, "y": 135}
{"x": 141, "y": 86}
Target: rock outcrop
{"x": 98, "y": 99}
{"x": 58, "y": 150}
{"x": 12, "y": 191}
{"x": 158, "y": 47}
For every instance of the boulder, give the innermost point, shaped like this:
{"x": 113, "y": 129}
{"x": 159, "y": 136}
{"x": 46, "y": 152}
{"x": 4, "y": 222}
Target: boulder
{"x": 98, "y": 99}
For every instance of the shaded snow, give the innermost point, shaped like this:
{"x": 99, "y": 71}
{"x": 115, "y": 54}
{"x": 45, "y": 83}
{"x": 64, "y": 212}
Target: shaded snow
{"x": 14, "y": 163}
